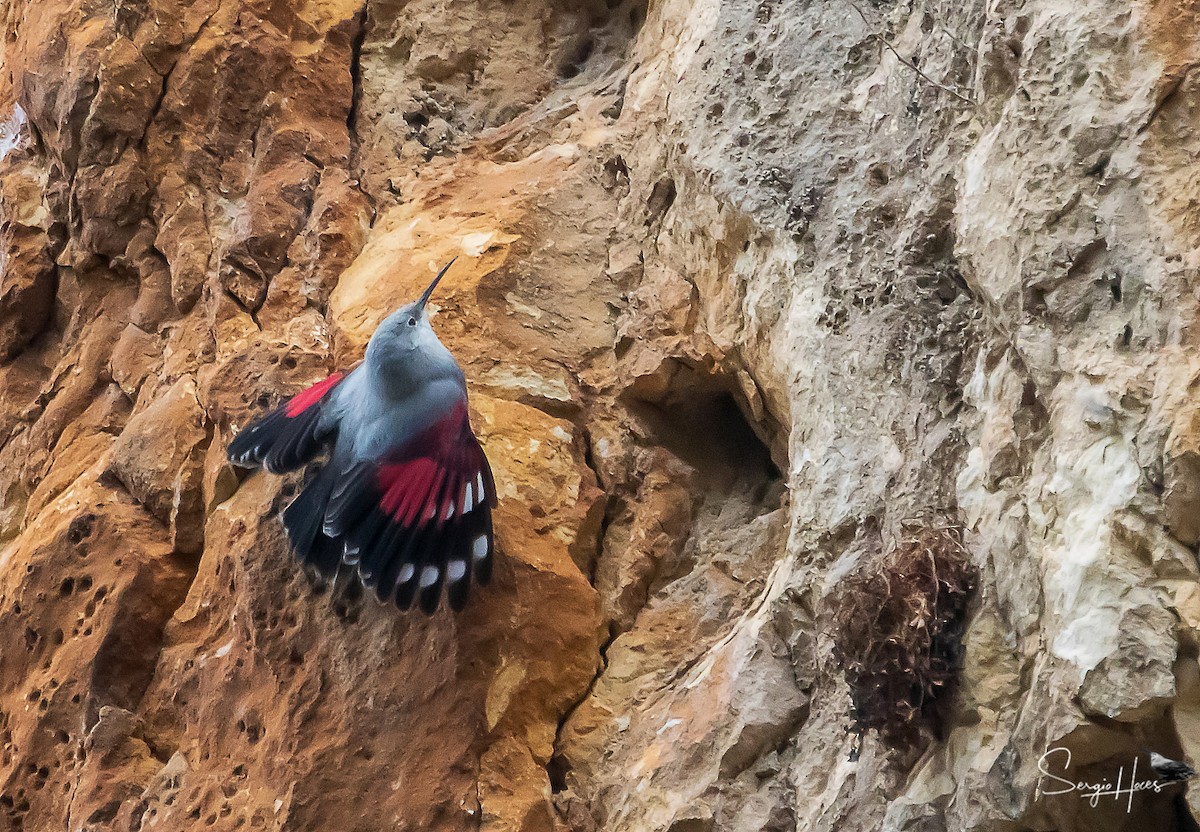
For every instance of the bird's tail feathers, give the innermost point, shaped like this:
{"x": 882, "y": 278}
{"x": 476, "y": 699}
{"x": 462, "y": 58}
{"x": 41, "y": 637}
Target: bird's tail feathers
{"x": 303, "y": 519}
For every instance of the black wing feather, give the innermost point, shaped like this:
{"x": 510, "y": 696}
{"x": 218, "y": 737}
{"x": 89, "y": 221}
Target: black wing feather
{"x": 290, "y": 435}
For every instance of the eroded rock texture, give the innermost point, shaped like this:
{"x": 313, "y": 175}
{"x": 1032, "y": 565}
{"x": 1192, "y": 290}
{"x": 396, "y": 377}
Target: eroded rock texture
{"x": 745, "y": 289}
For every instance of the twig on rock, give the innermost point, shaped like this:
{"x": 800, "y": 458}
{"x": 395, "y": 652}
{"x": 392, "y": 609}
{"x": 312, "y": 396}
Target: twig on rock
{"x": 906, "y": 61}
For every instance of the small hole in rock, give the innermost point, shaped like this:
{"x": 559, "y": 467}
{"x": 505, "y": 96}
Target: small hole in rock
{"x": 80, "y": 528}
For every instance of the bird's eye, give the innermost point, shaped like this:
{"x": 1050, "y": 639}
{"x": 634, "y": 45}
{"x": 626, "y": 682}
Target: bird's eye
{"x": 412, "y": 321}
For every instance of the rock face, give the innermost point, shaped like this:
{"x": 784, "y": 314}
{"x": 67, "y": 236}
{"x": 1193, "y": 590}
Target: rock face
{"x": 746, "y": 289}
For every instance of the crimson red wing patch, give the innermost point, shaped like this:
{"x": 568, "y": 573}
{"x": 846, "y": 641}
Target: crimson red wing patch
{"x": 302, "y": 401}
{"x": 420, "y": 521}
{"x": 427, "y": 490}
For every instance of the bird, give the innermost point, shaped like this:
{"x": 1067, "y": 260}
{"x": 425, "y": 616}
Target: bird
{"x": 403, "y": 491}
{"x": 1170, "y": 770}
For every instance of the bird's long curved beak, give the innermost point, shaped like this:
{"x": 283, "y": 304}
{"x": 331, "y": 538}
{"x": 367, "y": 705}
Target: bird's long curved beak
{"x": 429, "y": 291}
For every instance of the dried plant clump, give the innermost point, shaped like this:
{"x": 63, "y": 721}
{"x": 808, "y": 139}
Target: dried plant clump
{"x": 898, "y": 629}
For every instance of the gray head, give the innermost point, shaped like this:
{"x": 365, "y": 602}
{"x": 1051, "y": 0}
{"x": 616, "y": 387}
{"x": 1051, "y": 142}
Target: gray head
{"x": 405, "y": 347}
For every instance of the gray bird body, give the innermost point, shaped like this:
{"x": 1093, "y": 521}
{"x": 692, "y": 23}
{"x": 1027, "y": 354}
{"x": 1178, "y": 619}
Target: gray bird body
{"x": 407, "y": 382}
{"x": 406, "y": 494}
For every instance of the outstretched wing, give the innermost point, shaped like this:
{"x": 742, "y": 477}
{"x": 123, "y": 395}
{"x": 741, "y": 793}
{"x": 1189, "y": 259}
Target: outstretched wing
{"x": 288, "y": 436}
{"x": 419, "y": 520}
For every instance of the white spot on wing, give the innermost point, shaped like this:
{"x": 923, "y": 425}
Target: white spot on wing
{"x": 429, "y": 576}
{"x": 457, "y": 569}
{"x": 449, "y": 510}
{"x": 479, "y": 548}
{"x": 479, "y": 491}
{"x": 467, "y": 499}
{"x": 406, "y": 573}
